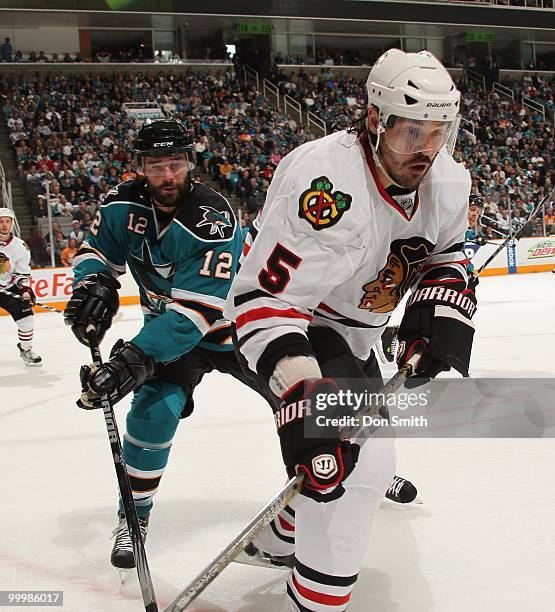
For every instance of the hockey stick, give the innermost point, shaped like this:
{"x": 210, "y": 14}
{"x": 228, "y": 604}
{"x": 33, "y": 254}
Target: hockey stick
{"x": 143, "y": 571}
{"x": 512, "y": 236}
{"x": 269, "y": 513}
{"x": 117, "y": 318}
{"x": 18, "y": 297}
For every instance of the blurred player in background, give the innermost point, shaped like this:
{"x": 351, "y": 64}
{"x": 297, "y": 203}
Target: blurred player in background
{"x": 15, "y": 279}
{"x": 473, "y": 238}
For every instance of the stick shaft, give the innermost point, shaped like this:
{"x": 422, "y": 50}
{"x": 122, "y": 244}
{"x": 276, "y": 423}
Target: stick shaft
{"x": 126, "y": 493}
{"x": 18, "y": 297}
{"x": 269, "y": 513}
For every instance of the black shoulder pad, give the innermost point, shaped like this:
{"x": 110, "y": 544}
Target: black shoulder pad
{"x": 207, "y": 215}
{"x": 128, "y": 191}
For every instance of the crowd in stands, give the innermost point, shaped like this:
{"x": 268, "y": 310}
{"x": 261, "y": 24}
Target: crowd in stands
{"x": 71, "y": 131}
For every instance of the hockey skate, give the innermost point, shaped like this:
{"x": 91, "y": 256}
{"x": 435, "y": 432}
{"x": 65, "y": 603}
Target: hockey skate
{"x": 251, "y": 555}
{"x": 387, "y": 344}
{"x": 122, "y": 552}
{"x": 402, "y": 491}
{"x": 30, "y": 359}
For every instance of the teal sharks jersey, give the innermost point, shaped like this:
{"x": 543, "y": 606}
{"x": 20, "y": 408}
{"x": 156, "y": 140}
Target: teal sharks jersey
{"x": 183, "y": 270}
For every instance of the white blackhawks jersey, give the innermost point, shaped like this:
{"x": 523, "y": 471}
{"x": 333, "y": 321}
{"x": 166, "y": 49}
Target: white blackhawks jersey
{"x": 15, "y": 268}
{"x": 332, "y": 248}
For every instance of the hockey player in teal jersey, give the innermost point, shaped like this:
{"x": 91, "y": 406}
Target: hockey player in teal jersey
{"x": 472, "y": 240}
{"x": 181, "y": 242}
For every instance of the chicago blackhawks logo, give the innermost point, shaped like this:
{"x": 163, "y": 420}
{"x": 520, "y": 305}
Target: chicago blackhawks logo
{"x": 4, "y": 264}
{"x": 321, "y": 206}
{"x": 405, "y": 260}
{"x": 217, "y": 220}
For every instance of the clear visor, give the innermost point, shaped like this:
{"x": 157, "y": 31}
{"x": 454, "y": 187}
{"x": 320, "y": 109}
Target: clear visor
{"x": 178, "y": 164}
{"x": 410, "y": 136}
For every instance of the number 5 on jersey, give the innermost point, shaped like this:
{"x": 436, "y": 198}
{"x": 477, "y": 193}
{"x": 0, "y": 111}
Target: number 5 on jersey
{"x": 276, "y": 275}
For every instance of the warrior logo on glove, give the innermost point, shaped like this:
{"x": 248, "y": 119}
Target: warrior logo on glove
{"x": 405, "y": 260}
{"x": 324, "y": 466}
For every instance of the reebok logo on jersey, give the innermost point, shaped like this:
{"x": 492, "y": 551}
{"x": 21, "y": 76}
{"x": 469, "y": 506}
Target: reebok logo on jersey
{"x": 438, "y": 104}
{"x": 321, "y": 206}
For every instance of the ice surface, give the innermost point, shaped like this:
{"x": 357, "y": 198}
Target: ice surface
{"x": 484, "y": 539}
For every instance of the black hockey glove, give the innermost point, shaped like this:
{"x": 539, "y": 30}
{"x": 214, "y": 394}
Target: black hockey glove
{"x": 127, "y": 369}
{"x": 325, "y": 462}
{"x": 437, "y": 324}
{"x": 94, "y": 301}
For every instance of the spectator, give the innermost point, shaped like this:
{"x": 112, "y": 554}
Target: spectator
{"x": 68, "y": 253}
{"x": 37, "y": 245}
{"x": 224, "y": 178}
{"x": 76, "y": 232}
{"x": 6, "y": 50}
{"x": 550, "y": 222}
{"x": 60, "y": 206}
{"x": 81, "y": 211}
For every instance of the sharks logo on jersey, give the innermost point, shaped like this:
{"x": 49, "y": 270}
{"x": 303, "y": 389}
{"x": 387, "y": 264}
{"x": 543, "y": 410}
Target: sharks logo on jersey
{"x": 217, "y": 220}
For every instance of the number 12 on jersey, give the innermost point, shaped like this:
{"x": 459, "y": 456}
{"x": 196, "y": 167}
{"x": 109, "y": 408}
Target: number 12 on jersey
{"x": 222, "y": 268}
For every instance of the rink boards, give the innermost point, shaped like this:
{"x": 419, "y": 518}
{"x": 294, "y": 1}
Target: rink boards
{"x": 52, "y": 286}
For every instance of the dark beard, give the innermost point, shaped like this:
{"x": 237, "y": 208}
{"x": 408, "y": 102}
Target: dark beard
{"x": 168, "y": 200}
{"x": 402, "y": 181}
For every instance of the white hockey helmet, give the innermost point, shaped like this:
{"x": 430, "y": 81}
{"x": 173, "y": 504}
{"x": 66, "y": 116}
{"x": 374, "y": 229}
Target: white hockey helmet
{"x": 412, "y": 85}
{"x": 7, "y": 212}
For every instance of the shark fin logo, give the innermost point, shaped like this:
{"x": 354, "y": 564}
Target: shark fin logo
{"x": 218, "y": 221}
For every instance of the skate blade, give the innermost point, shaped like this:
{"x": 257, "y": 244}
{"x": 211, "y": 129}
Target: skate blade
{"x": 244, "y": 559}
{"x": 417, "y": 500}
{"x": 33, "y": 365}
{"x": 124, "y": 574}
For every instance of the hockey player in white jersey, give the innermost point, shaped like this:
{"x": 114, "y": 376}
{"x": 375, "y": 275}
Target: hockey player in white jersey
{"x": 351, "y": 223}
{"x": 15, "y": 278}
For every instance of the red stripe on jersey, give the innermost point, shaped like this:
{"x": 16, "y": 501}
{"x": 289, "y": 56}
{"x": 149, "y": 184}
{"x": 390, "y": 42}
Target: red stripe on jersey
{"x": 285, "y": 525}
{"x": 267, "y": 313}
{"x": 463, "y": 262}
{"x": 327, "y": 309}
{"x": 321, "y": 598}
{"x": 246, "y": 249}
